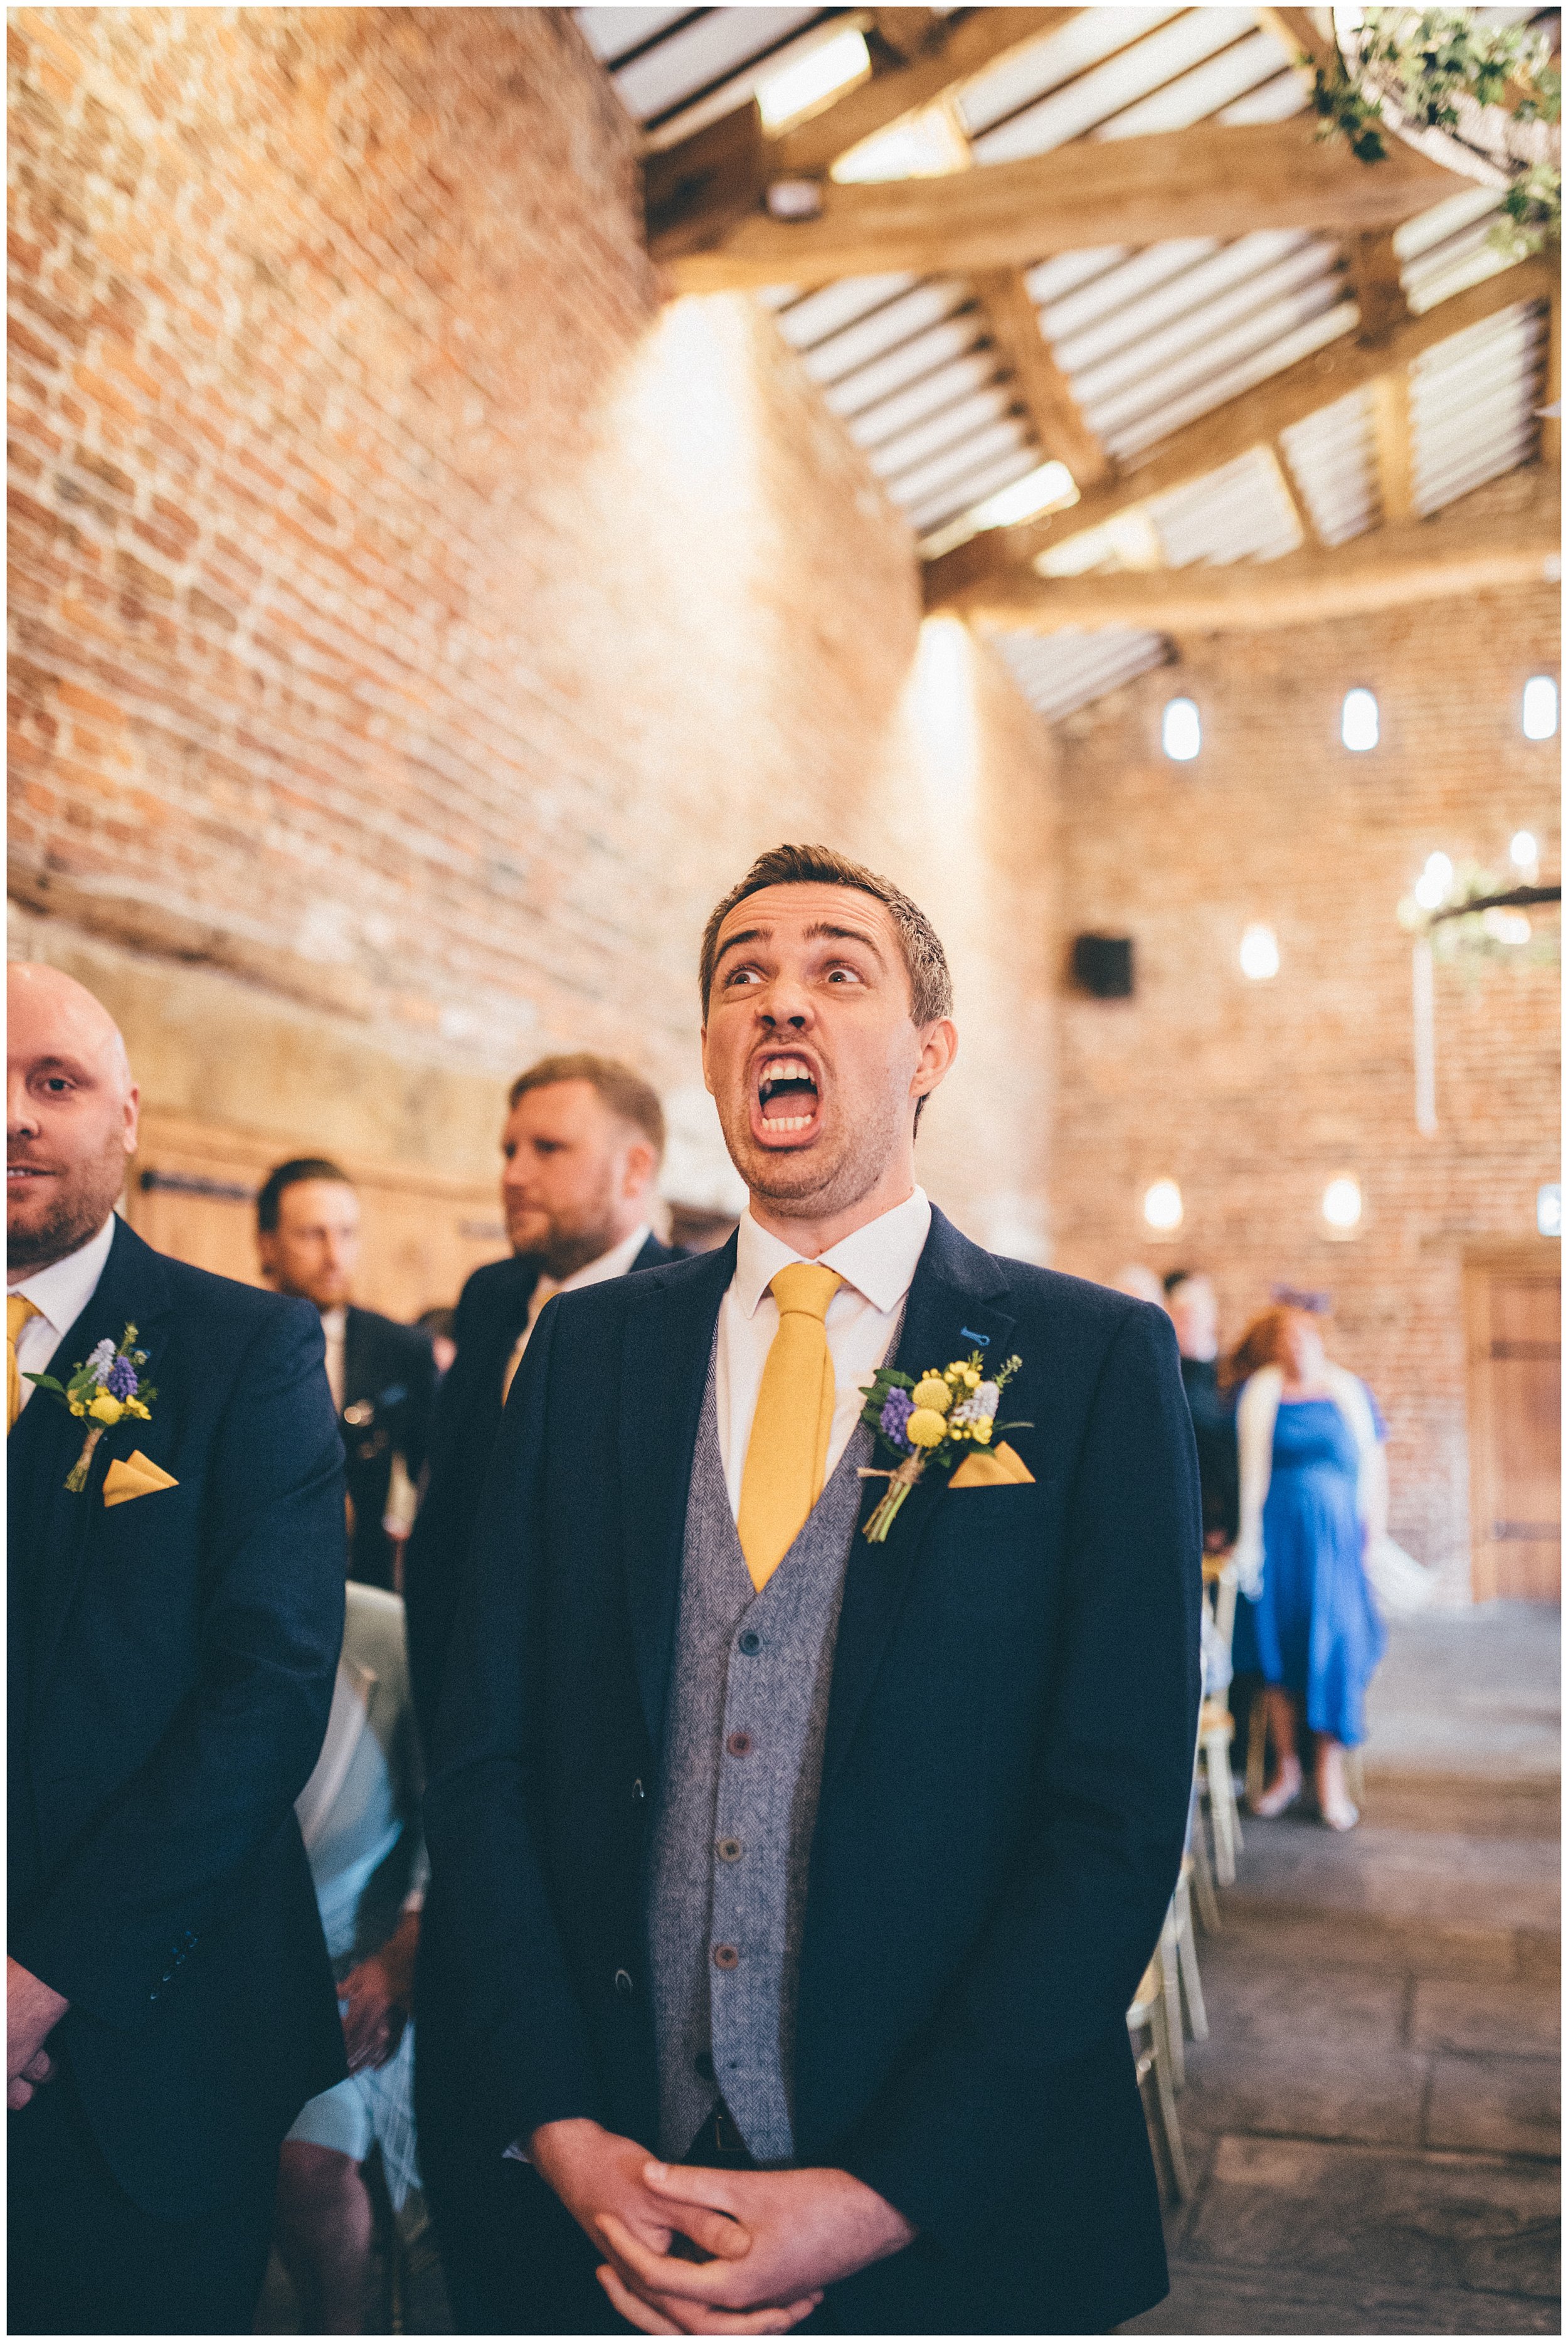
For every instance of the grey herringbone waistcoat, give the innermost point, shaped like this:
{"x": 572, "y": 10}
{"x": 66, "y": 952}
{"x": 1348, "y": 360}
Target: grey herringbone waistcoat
{"x": 737, "y": 1804}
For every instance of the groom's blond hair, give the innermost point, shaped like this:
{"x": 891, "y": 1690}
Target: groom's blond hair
{"x": 930, "y": 980}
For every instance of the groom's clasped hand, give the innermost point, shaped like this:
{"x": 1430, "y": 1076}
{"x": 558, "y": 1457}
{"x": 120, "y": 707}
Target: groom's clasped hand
{"x": 769, "y": 2241}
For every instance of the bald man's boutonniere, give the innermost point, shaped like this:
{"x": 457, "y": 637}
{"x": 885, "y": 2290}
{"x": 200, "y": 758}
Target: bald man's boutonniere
{"x": 946, "y": 1422}
{"x": 103, "y": 1390}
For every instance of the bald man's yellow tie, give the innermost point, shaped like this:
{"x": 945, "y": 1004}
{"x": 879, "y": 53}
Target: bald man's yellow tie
{"x": 786, "y": 1460}
{"x": 17, "y": 1312}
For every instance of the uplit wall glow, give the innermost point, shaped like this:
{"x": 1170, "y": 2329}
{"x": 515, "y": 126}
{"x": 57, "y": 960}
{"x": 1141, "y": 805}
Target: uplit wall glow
{"x": 1163, "y": 1207}
{"x": 1342, "y": 1204}
{"x": 1260, "y": 953}
{"x": 1539, "y": 713}
{"x": 1358, "y": 720}
{"x": 1181, "y": 734}
{"x": 943, "y": 718}
{"x": 1436, "y": 878}
{"x": 809, "y": 80}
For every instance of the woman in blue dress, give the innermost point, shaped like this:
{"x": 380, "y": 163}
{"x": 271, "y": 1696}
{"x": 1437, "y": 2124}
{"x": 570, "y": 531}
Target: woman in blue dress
{"x": 1312, "y": 1487}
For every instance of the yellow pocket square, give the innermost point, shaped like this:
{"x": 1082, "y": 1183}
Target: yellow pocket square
{"x": 992, "y": 1468}
{"x": 139, "y": 1476}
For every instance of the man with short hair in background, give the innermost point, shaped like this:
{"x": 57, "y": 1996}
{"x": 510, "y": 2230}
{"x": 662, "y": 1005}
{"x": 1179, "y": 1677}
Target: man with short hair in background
{"x": 580, "y": 1154}
{"x": 1194, "y": 1312}
{"x": 580, "y": 1149}
{"x": 176, "y": 1607}
{"x": 382, "y": 1374}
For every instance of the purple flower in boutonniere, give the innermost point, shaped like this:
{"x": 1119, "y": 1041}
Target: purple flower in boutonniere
{"x": 105, "y": 1389}
{"x": 931, "y": 1424}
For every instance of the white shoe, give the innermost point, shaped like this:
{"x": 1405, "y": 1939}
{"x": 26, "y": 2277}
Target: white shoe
{"x": 1282, "y": 1797}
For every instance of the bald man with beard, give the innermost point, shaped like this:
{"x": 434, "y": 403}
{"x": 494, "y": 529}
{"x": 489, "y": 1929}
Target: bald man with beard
{"x": 176, "y": 1608}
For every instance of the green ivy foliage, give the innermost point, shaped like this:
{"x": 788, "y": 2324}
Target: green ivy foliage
{"x": 1426, "y": 61}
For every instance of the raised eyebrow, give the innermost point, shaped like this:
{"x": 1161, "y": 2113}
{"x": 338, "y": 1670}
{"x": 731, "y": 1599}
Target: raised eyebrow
{"x": 824, "y": 928}
{"x": 71, "y": 1066}
{"x": 747, "y": 935}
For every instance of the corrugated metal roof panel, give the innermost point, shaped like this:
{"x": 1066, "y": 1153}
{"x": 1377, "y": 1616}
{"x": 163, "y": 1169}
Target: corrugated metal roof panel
{"x": 1241, "y": 513}
{"x": 1014, "y": 82}
{"x": 1095, "y": 96}
{"x": 717, "y": 43}
{"x": 1315, "y": 333}
{"x": 884, "y": 328}
{"x": 929, "y": 396}
{"x": 915, "y": 488}
{"x": 612, "y": 33}
{"x": 1204, "y": 362}
{"x": 1144, "y": 330}
{"x": 1193, "y": 95}
{"x": 1060, "y": 673}
{"x": 965, "y": 418}
{"x": 970, "y": 488}
{"x": 1331, "y": 461}
{"x": 828, "y": 310}
{"x": 1111, "y": 292}
{"x": 858, "y": 392}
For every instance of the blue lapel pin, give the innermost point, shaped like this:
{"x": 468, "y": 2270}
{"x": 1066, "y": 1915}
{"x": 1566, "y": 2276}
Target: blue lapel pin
{"x": 982, "y": 1340}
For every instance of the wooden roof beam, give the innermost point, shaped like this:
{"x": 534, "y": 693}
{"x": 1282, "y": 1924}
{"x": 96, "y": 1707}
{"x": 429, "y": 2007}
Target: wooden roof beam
{"x": 1402, "y": 563}
{"x": 1206, "y": 181}
{"x": 1045, "y": 389}
{"x": 696, "y": 189}
{"x": 1254, "y": 418}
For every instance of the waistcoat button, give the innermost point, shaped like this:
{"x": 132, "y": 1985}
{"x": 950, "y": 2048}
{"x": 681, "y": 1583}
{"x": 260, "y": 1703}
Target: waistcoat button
{"x": 725, "y": 1956}
{"x": 739, "y": 1744}
{"x": 730, "y": 1850}
{"x": 623, "y": 1984}
{"x": 751, "y": 1642}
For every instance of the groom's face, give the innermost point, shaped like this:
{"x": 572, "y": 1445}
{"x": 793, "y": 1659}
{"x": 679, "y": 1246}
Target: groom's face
{"x": 810, "y": 1050}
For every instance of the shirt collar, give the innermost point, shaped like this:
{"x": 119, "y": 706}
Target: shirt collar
{"x": 879, "y": 1259}
{"x": 613, "y": 1263}
{"x": 334, "y": 1322}
{"x": 62, "y": 1291}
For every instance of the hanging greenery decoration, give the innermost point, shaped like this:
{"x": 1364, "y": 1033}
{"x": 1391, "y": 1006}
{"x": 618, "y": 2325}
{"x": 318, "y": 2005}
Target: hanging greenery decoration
{"x": 1483, "y": 99}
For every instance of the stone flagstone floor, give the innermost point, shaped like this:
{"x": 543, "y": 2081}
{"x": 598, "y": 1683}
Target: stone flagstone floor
{"x": 1372, "y": 2125}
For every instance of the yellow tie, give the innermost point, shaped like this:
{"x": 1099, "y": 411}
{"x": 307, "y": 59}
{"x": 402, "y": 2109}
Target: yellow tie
{"x": 17, "y": 1312}
{"x": 786, "y": 1461}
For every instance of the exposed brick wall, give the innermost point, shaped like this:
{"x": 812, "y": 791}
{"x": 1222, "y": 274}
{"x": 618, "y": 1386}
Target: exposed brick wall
{"x": 1253, "y": 1095}
{"x": 413, "y": 618}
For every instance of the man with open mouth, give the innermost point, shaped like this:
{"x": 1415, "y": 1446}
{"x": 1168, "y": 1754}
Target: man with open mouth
{"x": 800, "y": 1877}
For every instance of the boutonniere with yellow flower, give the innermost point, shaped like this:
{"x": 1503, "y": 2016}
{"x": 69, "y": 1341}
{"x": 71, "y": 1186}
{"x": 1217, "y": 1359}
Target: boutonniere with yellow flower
{"x": 103, "y": 1390}
{"x": 930, "y": 1424}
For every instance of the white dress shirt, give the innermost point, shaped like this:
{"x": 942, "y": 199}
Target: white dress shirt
{"x": 59, "y": 1293}
{"x": 878, "y": 1264}
{"x": 613, "y": 1263}
{"x": 334, "y": 1332}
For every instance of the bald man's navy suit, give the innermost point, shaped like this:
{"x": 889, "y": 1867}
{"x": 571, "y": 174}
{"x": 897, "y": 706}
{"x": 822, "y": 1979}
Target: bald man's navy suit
{"x": 170, "y": 1668}
{"x": 996, "y": 1839}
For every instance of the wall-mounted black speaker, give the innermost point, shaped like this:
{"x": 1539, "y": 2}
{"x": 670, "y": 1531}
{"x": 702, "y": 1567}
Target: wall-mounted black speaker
{"x": 1102, "y": 966}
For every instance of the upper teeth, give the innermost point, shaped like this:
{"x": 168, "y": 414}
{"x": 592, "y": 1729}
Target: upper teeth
{"x": 785, "y": 1069}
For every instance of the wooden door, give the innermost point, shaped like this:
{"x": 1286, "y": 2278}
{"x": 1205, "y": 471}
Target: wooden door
{"x": 192, "y": 1193}
{"x": 1513, "y": 1313}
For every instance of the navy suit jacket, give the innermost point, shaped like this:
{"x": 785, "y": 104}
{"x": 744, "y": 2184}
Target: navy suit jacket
{"x": 171, "y": 1671}
{"x": 491, "y": 1313}
{"x": 1004, "y": 1794}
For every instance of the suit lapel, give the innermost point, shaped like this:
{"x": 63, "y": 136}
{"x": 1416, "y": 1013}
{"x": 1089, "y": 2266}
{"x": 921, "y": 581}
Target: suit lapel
{"x": 357, "y": 1366}
{"x": 669, "y": 1333}
{"x": 951, "y": 1304}
{"x": 132, "y": 1290}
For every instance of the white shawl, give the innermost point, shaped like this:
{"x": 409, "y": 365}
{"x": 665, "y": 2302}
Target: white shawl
{"x": 1255, "y": 1413}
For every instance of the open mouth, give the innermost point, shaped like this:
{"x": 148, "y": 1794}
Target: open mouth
{"x": 788, "y": 1099}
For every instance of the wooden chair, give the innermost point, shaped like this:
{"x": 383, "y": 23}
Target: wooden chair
{"x": 1196, "y": 2014}
{"x": 1216, "y": 1728}
{"x": 1149, "y": 2024}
